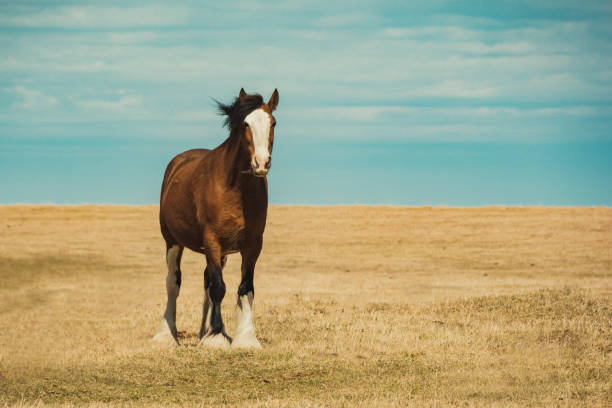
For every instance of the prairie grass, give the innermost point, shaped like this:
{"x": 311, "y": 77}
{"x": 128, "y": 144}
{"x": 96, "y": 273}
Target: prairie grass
{"x": 355, "y": 306}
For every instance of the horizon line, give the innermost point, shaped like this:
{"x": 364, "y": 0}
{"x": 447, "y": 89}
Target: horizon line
{"x": 418, "y": 206}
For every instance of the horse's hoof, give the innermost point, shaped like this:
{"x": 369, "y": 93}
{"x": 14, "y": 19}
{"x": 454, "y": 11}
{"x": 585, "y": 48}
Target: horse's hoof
{"x": 164, "y": 336}
{"x": 251, "y": 343}
{"x": 217, "y": 341}
{"x": 165, "y": 339}
{"x": 246, "y": 342}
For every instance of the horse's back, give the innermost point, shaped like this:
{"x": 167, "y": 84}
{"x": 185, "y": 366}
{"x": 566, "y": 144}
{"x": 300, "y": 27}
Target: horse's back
{"x": 179, "y": 161}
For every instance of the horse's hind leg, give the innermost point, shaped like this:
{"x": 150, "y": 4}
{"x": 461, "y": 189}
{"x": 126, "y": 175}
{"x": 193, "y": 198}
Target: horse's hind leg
{"x": 167, "y": 332}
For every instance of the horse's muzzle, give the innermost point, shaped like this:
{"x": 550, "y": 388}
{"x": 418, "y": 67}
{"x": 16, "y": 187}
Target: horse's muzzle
{"x": 258, "y": 169}
{"x": 260, "y": 172}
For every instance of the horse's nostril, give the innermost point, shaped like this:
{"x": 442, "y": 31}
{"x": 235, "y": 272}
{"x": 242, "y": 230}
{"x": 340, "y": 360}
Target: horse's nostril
{"x": 268, "y": 163}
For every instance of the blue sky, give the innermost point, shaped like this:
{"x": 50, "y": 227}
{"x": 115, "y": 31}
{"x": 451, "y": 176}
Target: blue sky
{"x": 428, "y": 103}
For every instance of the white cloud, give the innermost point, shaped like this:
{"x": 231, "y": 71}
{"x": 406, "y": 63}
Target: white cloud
{"x": 132, "y": 37}
{"x": 99, "y": 17}
{"x": 438, "y": 32}
{"x": 197, "y": 116}
{"x": 375, "y": 113}
{"x": 125, "y": 104}
{"x": 344, "y": 19}
{"x": 429, "y": 61}
{"x": 31, "y": 99}
{"x": 390, "y": 69}
{"x": 315, "y": 62}
{"x": 455, "y": 89}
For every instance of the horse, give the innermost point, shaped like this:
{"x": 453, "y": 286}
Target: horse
{"x": 215, "y": 203}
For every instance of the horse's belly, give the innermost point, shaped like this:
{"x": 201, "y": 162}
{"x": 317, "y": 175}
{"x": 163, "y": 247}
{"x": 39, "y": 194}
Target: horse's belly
{"x": 185, "y": 230}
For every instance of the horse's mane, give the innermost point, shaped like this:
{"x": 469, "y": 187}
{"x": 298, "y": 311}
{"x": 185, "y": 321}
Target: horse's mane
{"x": 239, "y": 109}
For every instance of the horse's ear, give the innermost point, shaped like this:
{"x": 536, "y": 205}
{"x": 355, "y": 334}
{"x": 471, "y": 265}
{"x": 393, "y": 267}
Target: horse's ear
{"x": 242, "y": 94}
{"x": 273, "y": 102}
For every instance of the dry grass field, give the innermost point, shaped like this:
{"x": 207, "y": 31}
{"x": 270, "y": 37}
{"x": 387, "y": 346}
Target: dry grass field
{"x": 354, "y": 306}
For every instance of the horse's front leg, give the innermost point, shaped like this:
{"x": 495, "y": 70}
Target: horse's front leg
{"x": 212, "y": 331}
{"x": 244, "y": 336}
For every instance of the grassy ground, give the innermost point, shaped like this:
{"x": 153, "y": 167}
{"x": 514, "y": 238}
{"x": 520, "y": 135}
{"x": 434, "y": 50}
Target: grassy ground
{"x": 355, "y": 306}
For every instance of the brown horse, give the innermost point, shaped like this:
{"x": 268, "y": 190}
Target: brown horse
{"x": 215, "y": 202}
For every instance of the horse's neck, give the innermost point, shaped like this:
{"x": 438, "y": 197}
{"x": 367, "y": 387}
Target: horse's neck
{"x": 236, "y": 174}
{"x": 233, "y": 160}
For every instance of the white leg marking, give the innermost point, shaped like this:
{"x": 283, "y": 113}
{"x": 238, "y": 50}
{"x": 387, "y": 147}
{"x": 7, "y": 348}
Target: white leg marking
{"x": 164, "y": 336}
{"x": 206, "y": 314}
{"x": 206, "y": 339}
{"x": 215, "y": 341}
{"x": 245, "y": 332}
{"x": 167, "y": 333}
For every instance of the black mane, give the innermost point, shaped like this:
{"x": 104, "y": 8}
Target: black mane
{"x": 239, "y": 109}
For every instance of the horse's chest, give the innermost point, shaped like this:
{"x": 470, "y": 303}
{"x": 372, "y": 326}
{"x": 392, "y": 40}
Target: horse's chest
{"x": 230, "y": 231}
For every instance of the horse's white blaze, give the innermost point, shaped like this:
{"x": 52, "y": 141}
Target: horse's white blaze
{"x": 245, "y": 332}
{"x": 259, "y": 123}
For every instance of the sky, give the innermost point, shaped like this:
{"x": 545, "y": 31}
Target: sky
{"x": 460, "y": 103}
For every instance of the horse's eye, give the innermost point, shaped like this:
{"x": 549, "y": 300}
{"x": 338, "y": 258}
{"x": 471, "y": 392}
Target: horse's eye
{"x": 274, "y": 124}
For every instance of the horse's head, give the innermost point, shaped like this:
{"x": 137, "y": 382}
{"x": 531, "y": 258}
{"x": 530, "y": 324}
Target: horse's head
{"x": 251, "y": 120}
{"x": 258, "y": 134}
